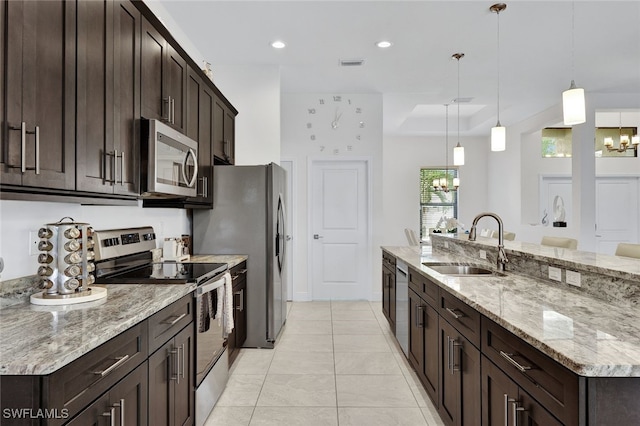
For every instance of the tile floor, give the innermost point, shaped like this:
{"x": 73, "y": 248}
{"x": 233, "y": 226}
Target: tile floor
{"x": 335, "y": 363}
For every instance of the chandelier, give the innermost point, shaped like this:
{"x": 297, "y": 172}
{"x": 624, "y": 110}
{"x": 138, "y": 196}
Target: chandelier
{"x": 625, "y": 141}
{"x": 442, "y": 184}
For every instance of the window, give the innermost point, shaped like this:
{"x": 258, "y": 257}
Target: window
{"x": 436, "y": 204}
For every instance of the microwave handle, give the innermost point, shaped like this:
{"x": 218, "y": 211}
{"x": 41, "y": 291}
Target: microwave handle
{"x": 191, "y": 182}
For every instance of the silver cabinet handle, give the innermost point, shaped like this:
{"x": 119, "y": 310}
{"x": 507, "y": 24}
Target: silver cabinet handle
{"x": 205, "y": 186}
{"x": 506, "y": 410}
{"x": 112, "y": 416}
{"x": 119, "y": 361}
{"x": 37, "y": 150}
{"x": 173, "y": 360}
{"x": 241, "y": 294}
{"x": 176, "y": 318}
{"x": 455, "y": 313}
{"x": 181, "y": 362}
{"x": 122, "y": 168}
{"x": 401, "y": 271}
{"x": 451, "y": 358}
{"x": 516, "y": 364}
{"x": 120, "y": 405}
{"x": 515, "y": 410}
{"x": 419, "y": 317}
{"x": 115, "y": 167}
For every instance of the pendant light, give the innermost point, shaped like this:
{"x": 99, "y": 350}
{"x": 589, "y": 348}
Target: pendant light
{"x": 573, "y": 105}
{"x": 498, "y": 132}
{"x": 458, "y": 151}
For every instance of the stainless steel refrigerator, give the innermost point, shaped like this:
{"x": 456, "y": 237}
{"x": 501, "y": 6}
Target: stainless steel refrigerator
{"x": 248, "y": 217}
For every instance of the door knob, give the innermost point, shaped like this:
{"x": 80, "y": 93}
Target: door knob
{"x": 317, "y": 237}
{"x": 288, "y": 238}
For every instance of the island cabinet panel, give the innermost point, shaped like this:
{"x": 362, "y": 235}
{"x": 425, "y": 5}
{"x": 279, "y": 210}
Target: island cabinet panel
{"x": 389, "y": 289}
{"x": 124, "y": 404}
{"x": 38, "y": 143}
{"x": 423, "y": 343}
{"x": 108, "y": 101}
{"x": 75, "y": 385}
{"x": 505, "y": 403}
{"x": 459, "y": 365}
{"x": 551, "y": 384}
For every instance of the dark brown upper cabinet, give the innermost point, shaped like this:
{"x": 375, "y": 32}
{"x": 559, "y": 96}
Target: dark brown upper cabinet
{"x": 38, "y": 143}
{"x": 224, "y": 137}
{"x": 164, "y": 79}
{"x": 108, "y": 98}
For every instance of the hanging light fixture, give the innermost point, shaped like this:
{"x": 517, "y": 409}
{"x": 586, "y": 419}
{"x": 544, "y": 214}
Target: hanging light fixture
{"x": 624, "y": 141}
{"x": 442, "y": 184}
{"x": 498, "y": 132}
{"x": 573, "y": 105}
{"x": 458, "y": 151}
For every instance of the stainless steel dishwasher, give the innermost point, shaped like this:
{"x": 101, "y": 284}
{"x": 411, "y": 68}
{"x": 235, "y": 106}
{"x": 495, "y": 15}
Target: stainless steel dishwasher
{"x": 402, "y": 305}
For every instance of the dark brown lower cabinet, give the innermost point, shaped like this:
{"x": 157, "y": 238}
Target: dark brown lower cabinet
{"x": 423, "y": 343}
{"x": 171, "y": 381}
{"x": 124, "y": 404}
{"x": 237, "y": 337}
{"x": 389, "y": 295}
{"x": 505, "y": 403}
{"x": 460, "y": 378}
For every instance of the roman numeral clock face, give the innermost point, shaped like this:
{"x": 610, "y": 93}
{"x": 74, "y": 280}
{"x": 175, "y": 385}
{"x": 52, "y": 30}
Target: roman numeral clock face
{"x": 336, "y": 124}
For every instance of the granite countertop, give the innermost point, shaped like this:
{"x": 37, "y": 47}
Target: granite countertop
{"x": 589, "y": 336}
{"x": 38, "y": 340}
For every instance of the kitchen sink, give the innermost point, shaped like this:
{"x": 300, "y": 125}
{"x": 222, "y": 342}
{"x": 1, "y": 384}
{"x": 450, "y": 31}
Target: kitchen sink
{"x": 461, "y": 270}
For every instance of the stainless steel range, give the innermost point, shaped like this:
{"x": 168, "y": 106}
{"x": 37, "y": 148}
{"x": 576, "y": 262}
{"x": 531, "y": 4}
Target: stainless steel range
{"x": 123, "y": 256}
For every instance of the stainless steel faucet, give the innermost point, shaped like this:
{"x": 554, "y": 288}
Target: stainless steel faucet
{"x": 502, "y": 256}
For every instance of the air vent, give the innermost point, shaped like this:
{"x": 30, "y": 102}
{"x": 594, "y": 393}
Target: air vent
{"x": 351, "y": 62}
{"x": 461, "y": 100}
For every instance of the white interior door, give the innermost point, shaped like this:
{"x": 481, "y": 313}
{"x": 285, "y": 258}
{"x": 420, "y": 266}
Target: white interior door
{"x": 339, "y": 230}
{"x": 289, "y": 243}
{"x": 617, "y": 213}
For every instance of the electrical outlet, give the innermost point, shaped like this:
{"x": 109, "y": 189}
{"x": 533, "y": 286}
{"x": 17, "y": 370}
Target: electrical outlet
{"x": 555, "y": 273}
{"x": 33, "y": 243}
{"x": 573, "y": 278}
{"x": 483, "y": 254}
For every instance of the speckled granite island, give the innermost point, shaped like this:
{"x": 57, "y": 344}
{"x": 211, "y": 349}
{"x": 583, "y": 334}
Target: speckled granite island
{"x": 38, "y": 340}
{"x": 592, "y": 330}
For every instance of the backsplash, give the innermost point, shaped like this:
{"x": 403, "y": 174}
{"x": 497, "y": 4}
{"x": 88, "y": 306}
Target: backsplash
{"x": 610, "y": 278}
{"x": 19, "y": 218}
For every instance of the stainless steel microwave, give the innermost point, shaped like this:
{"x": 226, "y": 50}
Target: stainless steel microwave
{"x": 170, "y": 161}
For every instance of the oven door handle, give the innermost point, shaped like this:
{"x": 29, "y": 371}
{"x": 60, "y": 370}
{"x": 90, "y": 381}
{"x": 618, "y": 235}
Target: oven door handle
{"x": 206, "y": 288}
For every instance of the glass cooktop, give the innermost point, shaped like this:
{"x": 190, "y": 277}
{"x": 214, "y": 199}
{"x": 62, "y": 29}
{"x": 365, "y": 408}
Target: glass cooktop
{"x": 166, "y": 273}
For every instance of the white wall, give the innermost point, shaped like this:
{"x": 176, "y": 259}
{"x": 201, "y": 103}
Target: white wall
{"x": 255, "y": 93}
{"x": 298, "y": 147}
{"x": 403, "y": 157}
{"x": 18, "y": 218}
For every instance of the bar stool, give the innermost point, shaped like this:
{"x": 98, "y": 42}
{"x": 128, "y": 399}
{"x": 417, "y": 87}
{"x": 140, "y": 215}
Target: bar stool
{"x": 568, "y": 243}
{"x": 628, "y": 250}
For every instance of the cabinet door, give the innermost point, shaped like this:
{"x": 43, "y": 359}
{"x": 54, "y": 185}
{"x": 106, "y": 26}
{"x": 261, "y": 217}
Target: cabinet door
{"x": 431, "y": 331}
{"x": 162, "y": 371}
{"x": 386, "y": 284}
{"x": 97, "y": 414}
{"x": 129, "y": 398}
{"x": 460, "y": 378}
{"x": 205, "y": 144}
{"x": 532, "y": 413}
{"x": 392, "y": 300}
{"x": 218, "y": 130}
{"x": 416, "y": 333}
{"x": 183, "y": 393}
{"x": 126, "y": 98}
{"x": 153, "y": 52}
{"x": 176, "y": 84}
{"x": 230, "y": 136}
{"x": 40, "y": 71}
{"x": 498, "y": 394}
{"x": 240, "y": 312}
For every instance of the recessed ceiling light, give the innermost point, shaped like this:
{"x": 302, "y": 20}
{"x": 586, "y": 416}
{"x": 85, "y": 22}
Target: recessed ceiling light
{"x": 278, "y": 44}
{"x": 384, "y": 44}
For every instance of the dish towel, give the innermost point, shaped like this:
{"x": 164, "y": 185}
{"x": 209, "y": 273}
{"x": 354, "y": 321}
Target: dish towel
{"x": 227, "y": 310}
{"x": 205, "y": 313}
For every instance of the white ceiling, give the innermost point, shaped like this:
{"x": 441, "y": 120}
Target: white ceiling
{"x": 417, "y": 75}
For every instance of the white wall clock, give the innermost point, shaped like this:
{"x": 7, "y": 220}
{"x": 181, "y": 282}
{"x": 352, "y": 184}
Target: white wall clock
{"x": 336, "y": 123}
